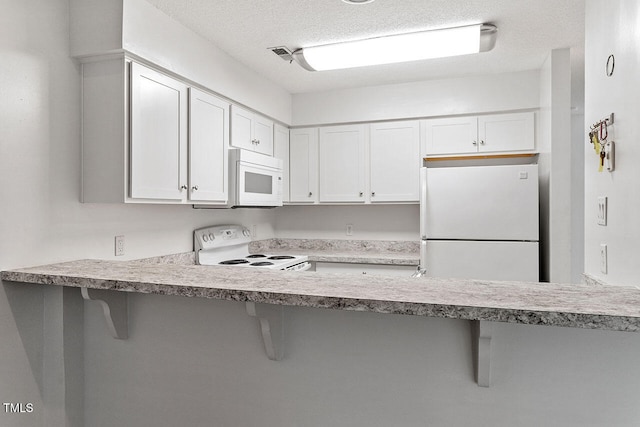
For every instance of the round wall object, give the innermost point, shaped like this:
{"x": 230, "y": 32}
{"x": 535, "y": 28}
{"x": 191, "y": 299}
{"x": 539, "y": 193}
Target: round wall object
{"x": 611, "y": 65}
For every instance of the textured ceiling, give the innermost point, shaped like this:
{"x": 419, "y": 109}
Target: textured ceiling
{"x": 527, "y": 31}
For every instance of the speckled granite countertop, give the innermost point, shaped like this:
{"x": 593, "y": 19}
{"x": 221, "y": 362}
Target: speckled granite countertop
{"x": 582, "y": 306}
{"x": 347, "y": 251}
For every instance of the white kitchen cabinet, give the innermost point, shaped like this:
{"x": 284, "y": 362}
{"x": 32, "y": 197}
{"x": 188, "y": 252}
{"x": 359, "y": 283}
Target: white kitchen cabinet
{"x": 303, "y": 165}
{"x": 450, "y": 135}
{"x": 506, "y": 132}
{"x": 281, "y": 151}
{"x": 208, "y": 142}
{"x": 341, "y": 161}
{"x": 394, "y": 151}
{"x": 495, "y": 133}
{"x": 263, "y": 132}
{"x": 251, "y": 131}
{"x": 158, "y": 135}
{"x": 148, "y": 138}
{"x": 377, "y": 163}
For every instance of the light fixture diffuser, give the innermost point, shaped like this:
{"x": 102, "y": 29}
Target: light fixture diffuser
{"x": 398, "y": 48}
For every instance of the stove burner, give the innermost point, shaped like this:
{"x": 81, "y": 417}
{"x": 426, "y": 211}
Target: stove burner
{"x": 261, "y": 263}
{"x": 281, "y": 257}
{"x": 234, "y": 262}
{"x": 256, "y": 256}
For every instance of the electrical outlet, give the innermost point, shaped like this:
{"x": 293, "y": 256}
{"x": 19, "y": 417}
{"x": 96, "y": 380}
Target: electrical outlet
{"x": 119, "y": 245}
{"x": 602, "y": 210}
{"x": 603, "y": 258}
{"x": 349, "y": 229}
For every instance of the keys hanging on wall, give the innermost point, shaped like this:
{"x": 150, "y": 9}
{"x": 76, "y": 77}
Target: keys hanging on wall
{"x": 593, "y": 139}
{"x": 598, "y": 148}
{"x": 603, "y": 135}
{"x": 604, "y": 149}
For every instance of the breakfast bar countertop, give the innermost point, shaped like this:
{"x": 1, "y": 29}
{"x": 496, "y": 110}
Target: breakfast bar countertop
{"x": 593, "y": 306}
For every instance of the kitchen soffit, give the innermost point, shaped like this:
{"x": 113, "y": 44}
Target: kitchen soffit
{"x": 528, "y": 31}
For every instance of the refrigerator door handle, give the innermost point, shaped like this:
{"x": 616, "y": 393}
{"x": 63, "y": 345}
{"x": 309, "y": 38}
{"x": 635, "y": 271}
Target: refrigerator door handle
{"x": 423, "y": 203}
{"x": 421, "y": 271}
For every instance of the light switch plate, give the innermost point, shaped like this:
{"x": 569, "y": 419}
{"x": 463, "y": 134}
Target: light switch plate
{"x": 602, "y": 210}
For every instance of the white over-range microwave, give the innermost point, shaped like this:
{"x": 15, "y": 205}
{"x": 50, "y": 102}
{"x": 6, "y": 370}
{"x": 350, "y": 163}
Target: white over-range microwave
{"x": 255, "y": 181}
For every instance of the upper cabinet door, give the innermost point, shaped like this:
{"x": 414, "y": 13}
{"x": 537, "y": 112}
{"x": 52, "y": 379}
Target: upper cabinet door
{"x": 241, "y": 124}
{"x": 506, "y": 132}
{"x": 451, "y": 135}
{"x": 251, "y": 131}
{"x": 342, "y": 163}
{"x": 303, "y": 165}
{"x": 395, "y": 162}
{"x": 158, "y": 135}
{"x": 263, "y": 135}
{"x": 208, "y": 141}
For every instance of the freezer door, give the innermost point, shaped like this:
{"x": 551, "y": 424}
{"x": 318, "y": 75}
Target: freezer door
{"x": 512, "y": 261}
{"x": 482, "y": 203}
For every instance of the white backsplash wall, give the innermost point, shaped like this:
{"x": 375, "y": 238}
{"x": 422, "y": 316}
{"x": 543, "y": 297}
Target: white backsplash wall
{"x": 383, "y": 222}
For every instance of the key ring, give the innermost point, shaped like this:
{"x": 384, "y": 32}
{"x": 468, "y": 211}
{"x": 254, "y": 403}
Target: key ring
{"x": 603, "y": 134}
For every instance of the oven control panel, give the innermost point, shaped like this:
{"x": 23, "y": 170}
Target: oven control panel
{"x": 219, "y": 236}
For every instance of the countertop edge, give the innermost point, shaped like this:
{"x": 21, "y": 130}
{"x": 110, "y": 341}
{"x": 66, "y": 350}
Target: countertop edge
{"x": 386, "y": 306}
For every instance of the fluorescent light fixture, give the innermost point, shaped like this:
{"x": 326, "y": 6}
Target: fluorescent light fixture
{"x": 398, "y": 48}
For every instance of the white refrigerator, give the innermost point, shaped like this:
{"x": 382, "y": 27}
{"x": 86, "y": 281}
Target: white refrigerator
{"x": 480, "y": 222}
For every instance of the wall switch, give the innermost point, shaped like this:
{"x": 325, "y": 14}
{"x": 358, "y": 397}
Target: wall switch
{"x": 603, "y": 258}
{"x": 119, "y": 245}
{"x": 602, "y": 210}
{"x": 349, "y": 229}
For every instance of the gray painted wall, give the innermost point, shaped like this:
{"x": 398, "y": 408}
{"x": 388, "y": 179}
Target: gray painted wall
{"x": 199, "y": 362}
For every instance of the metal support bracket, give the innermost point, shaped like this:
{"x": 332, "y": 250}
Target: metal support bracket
{"x": 271, "y": 319}
{"x": 481, "y": 334}
{"x": 114, "y": 307}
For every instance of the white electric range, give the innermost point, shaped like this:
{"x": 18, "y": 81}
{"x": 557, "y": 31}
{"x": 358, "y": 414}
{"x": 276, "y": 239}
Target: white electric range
{"x": 228, "y": 245}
